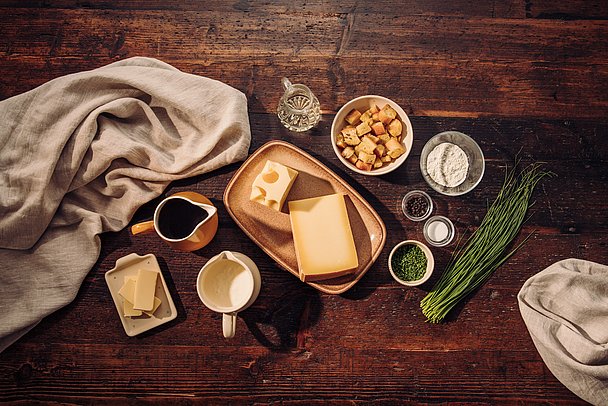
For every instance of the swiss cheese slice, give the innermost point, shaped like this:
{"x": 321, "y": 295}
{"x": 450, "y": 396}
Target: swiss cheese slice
{"x": 323, "y": 239}
{"x": 271, "y": 186}
{"x": 145, "y": 286}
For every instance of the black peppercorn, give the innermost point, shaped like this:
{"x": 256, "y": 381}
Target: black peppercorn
{"x": 417, "y": 206}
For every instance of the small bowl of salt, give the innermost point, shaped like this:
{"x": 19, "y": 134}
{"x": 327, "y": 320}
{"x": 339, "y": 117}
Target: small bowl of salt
{"x": 438, "y": 231}
{"x": 452, "y": 163}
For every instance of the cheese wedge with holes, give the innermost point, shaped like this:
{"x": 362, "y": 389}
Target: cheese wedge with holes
{"x": 323, "y": 239}
{"x": 272, "y": 185}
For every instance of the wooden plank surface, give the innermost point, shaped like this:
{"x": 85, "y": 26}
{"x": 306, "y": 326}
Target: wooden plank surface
{"x": 518, "y": 76}
{"x": 448, "y": 66}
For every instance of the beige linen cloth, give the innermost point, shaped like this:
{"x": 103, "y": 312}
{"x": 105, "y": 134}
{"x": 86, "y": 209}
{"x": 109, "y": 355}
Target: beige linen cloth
{"x": 565, "y": 308}
{"x": 80, "y": 154}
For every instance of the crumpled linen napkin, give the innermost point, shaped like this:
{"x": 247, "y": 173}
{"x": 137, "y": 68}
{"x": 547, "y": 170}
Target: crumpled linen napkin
{"x": 80, "y": 154}
{"x": 565, "y": 308}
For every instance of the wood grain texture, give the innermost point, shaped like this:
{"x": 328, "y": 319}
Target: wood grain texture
{"x": 523, "y": 78}
{"x": 487, "y": 66}
{"x": 543, "y": 9}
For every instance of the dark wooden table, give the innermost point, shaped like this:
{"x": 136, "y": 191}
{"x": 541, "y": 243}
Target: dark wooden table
{"x": 515, "y": 75}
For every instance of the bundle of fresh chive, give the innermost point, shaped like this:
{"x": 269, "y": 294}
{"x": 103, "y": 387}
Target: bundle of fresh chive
{"x": 487, "y": 248}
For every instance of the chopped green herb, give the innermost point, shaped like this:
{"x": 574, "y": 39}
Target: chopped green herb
{"x": 409, "y": 262}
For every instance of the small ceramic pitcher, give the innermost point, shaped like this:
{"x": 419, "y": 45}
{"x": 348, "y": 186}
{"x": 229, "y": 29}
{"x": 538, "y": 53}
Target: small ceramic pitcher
{"x": 187, "y": 221}
{"x": 229, "y": 283}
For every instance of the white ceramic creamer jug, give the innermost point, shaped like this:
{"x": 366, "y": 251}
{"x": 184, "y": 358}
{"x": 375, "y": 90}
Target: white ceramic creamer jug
{"x": 229, "y": 283}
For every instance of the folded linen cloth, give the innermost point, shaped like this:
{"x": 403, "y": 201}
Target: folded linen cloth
{"x": 565, "y": 308}
{"x": 80, "y": 154}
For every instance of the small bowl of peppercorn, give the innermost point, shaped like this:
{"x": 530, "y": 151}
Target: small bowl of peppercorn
{"x": 411, "y": 263}
{"x": 417, "y": 205}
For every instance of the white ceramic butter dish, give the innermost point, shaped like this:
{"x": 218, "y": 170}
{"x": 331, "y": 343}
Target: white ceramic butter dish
{"x": 128, "y": 266}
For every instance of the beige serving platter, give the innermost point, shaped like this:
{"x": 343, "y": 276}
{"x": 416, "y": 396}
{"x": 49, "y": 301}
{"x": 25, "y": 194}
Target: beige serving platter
{"x": 271, "y": 230}
{"x": 128, "y": 266}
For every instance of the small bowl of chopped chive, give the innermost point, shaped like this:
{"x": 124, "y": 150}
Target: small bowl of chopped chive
{"x": 411, "y": 263}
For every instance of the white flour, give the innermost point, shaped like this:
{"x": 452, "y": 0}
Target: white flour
{"x": 447, "y": 164}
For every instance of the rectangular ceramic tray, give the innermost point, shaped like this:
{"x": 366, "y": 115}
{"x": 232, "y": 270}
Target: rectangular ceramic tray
{"x": 271, "y": 230}
{"x": 128, "y": 266}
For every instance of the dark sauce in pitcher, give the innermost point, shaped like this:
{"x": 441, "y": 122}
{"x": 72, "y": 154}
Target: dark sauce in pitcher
{"x": 178, "y": 218}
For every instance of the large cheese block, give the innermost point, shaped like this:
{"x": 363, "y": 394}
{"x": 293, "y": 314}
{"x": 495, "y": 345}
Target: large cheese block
{"x": 323, "y": 239}
{"x": 272, "y": 185}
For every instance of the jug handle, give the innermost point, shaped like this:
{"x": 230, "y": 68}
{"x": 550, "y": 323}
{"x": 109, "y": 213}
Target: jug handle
{"x": 143, "y": 228}
{"x": 286, "y": 83}
{"x": 229, "y": 324}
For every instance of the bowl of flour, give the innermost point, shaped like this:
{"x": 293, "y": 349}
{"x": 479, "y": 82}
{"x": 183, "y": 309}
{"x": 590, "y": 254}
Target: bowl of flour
{"x": 452, "y": 163}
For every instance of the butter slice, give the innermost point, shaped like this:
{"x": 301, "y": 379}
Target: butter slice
{"x": 157, "y": 303}
{"x": 128, "y": 310}
{"x": 272, "y": 185}
{"x": 325, "y": 247}
{"x": 145, "y": 287}
{"x": 127, "y": 291}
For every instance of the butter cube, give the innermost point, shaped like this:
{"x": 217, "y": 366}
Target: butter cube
{"x": 271, "y": 186}
{"x": 145, "y": 286}
{"x": 323, "y": 239}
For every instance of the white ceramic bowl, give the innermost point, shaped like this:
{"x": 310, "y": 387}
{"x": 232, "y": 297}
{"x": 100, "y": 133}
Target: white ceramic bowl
{"x": 363, "y": 103}
{"x": 474, "y": 155}
{"x": 430, "y": 263}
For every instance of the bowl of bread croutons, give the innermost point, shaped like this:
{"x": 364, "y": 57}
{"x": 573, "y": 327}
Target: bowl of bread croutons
{"x": 372, "y": 135}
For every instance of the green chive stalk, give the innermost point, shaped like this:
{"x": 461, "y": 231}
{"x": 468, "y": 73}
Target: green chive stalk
{"x": 487, "y": 248}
